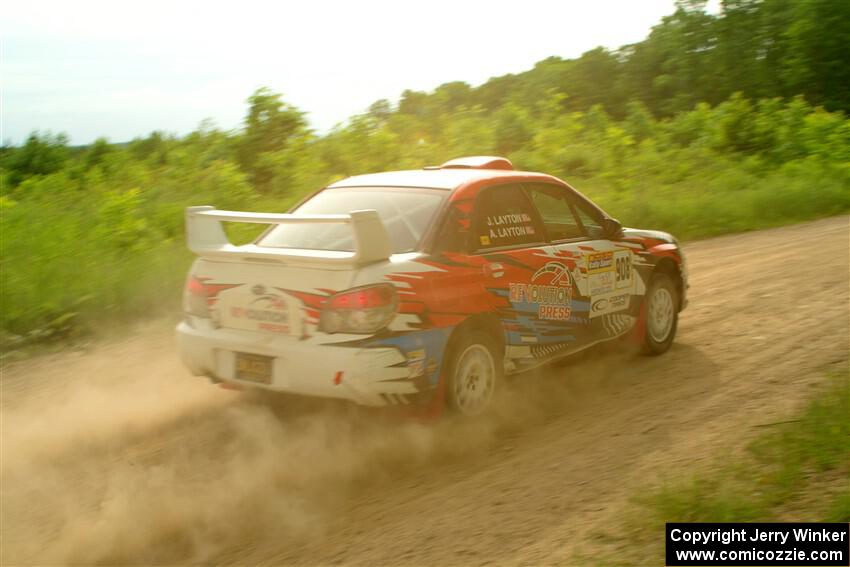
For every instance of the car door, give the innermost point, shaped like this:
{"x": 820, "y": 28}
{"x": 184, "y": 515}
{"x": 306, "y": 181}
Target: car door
{"x": 604, "y": 277}
{"x": 531, "y": 286}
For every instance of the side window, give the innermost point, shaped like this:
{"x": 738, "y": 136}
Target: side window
{"x": 556, "y": 211}
{"x": 504, "y": 216}
{"x": 592, "y": 226}
{"x": 565, "y": 215}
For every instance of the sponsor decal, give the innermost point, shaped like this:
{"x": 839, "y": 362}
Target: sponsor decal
{"x": 550, "y": 289}
{"x": 599, "y": 262}
{"x": 608, "y": 271}
{"x": 485, "y": 240}
{"x": 605, "y": 305}
{"x": 259, "y": 315}
{"x": 601, "y": 283}
{"x": 269, "y": 310}
{"x": 600, "y": 305}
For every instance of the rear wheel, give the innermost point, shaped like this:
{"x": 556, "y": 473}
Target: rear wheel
{"x": 474, "y": 374}
{"x": 661, "y": 316}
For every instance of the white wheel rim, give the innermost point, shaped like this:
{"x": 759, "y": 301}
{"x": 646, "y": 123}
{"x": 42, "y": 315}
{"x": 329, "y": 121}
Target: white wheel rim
{"x": 660, "y": 314}
{"x": 474, "y": 380}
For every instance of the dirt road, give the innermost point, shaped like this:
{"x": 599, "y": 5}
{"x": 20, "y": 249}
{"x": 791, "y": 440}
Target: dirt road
{"x": 118, "y": 456}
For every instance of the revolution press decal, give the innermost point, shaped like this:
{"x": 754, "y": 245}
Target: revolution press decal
{"x": 550, "y": 290}
{"x": 269, "y": 311}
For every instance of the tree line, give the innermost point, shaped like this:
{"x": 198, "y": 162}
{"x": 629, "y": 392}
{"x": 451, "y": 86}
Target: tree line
{"x": 712, "y": 124}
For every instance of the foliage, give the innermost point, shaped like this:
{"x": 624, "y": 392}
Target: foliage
{"x": 270, "y": 126}
{"x": 41, "y": 154}
{"x": 707, "y": 126}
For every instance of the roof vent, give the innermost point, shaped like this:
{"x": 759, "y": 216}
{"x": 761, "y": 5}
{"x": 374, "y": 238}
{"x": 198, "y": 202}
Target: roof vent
{"x": 479, "y": 162}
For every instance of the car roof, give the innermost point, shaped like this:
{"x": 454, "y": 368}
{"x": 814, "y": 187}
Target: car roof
{"x": 435, "y": 178}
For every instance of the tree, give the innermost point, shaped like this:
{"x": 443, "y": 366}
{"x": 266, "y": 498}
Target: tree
{"x": 97, "y": 152}
{"x": 269, "y": 127}
{"x": 380, "y": 111}
{"x": 512, "y": 128}
{"x": 591, "y": 80}
{"x": 41, "y": 154}
{"x": 818, "y": 47}
{"x": 451, "y": 96}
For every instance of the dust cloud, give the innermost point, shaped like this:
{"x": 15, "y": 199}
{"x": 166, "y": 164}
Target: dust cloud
{"x": 120, "y": 457}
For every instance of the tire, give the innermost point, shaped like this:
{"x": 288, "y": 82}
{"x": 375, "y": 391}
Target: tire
{"x": 474, "y": 374}
{"x": 660, "y": 316}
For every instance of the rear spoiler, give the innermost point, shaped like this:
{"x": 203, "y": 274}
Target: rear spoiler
{"x": 205, "y": 236}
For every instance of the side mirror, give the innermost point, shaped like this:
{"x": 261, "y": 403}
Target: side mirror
{"x": 611, "y": 229}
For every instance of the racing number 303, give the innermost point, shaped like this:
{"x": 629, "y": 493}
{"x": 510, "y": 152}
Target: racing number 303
{"x": 624, "y": 269}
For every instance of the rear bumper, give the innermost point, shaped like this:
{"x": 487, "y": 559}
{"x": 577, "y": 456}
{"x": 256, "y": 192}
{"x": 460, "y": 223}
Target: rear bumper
{"x": 369, "y": 376}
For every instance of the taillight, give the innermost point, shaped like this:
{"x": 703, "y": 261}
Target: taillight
{"x": 195, "y": 298}
{"x": 363, "y": 310}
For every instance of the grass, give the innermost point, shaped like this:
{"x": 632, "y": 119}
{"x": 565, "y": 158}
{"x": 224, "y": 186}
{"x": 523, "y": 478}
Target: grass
{"x": 794, "y": 471}
{"x": 703, "y": 206}
{"x": 74, "y": 263}
{"x": 66, "y": 273}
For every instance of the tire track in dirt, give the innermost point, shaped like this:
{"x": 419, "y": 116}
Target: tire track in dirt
{"x": 119, "y": 456}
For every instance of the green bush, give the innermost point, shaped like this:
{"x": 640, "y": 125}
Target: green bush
{"x": 96, "y": 235}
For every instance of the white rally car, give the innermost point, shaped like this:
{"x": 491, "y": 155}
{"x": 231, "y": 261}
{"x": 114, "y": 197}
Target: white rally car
{"x": 422, "y": 287}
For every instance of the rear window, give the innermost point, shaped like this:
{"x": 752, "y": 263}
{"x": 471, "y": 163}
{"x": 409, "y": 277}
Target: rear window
{"x": 406, "y": 213}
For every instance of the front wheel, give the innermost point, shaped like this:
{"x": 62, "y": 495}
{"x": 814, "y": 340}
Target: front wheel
{"x": 661, "y": 315}
{"x": 474, "y": 375}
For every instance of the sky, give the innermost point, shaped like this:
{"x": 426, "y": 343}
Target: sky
{"x": 124, "y": 69}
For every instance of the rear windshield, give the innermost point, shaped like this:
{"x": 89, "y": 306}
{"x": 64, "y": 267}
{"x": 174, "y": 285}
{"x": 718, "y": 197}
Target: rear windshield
{"x": 406, "y": 213}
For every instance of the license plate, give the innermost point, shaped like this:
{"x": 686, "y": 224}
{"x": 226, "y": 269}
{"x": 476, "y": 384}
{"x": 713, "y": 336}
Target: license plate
{"x": 253, "y": 368}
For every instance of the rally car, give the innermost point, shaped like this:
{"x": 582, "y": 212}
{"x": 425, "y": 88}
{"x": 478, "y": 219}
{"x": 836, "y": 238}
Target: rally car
{"x": 422, "y": 287}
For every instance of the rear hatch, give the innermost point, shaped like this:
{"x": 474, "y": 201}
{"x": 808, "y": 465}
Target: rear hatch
{"x": 288, "y": 278}
{"x": 270, "y": 297}
{"x": 275, "y": 289}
